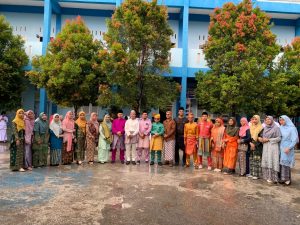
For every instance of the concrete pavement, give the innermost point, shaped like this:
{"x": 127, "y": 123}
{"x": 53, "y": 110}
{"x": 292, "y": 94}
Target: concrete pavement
{"x": 119, "y": 194}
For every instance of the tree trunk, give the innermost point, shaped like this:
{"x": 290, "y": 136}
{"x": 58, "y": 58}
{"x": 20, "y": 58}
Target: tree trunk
{"x": 75, "y": 111}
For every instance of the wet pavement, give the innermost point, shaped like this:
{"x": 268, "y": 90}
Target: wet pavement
{"x": 119, "y": 194}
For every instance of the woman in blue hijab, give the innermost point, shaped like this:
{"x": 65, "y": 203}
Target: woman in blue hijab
{"x": 287, "y": 148}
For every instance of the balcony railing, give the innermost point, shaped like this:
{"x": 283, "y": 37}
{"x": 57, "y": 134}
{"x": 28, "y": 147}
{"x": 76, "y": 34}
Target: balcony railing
{"x": 33, "y": 49}
{"x": 196, "y": 58}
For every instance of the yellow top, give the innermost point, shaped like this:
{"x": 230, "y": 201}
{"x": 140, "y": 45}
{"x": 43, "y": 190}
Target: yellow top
{"x": 190, "y": 130}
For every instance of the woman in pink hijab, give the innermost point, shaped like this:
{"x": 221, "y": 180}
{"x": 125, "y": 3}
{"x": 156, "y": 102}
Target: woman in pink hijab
{"x": 68, "y": 127}
{"x": 243, "y": 147}
{"x": 29, "y": 125}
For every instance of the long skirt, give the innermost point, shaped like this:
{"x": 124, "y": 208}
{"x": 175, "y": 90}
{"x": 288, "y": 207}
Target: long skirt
{"x": 80, "y": 149}
{"x": 285, "y": 173}
{"x": 270, "y": 174}
{"x": 3, "y": 135}
{"x": 103, "y": 150}
{"x": 169, "y": 150}
{"x": 67, "y": 157}
{"x": 39, "y": 155}
{"x": 218, "y": 159}
{"x": 90, "y": 149}
{"x": 16, "y": 156}
{"x": 242, "y": 162}
{"x": 55, "y": 157}
{"x": 255, "y": 164}
{"x": 204, "y": 147}
{"x": 28, "y": 156}
{"x": 231, "y": 154}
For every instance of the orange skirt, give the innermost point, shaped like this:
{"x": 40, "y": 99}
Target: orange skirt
{"x": 190, "y": 147}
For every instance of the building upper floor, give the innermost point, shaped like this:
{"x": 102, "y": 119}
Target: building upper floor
{"x": 27, "y": 18}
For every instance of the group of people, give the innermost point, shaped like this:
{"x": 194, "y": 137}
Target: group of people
{"x": 262, "y": 150}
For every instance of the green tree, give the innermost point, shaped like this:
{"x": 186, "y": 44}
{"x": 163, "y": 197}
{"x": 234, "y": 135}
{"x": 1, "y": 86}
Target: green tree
{"x": 69, "y": 70}
{"x": 239, "y": 51}
{"x": 138, "y": 39}
{"x": 12, "y": 60}
{"x": 284, "y": 82}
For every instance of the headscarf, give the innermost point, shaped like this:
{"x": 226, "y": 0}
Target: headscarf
{"x": 19, "y": 121}
{"x": 289, "y": 126}
{"x": 29, "y": 125}
{"x": 95, "y": 123}
{"x": 232, "y": 130}
{"x": 56, "y": 126}
{"x": 272, "y": 130}
{"x": 255, "y": 129}
{"x": 81, "y": 122}
{"x": 107, "y": 128}
{"x": 68, "y": 124}
{"x": 41, "y": 125}
{"x": 243, "y": 129}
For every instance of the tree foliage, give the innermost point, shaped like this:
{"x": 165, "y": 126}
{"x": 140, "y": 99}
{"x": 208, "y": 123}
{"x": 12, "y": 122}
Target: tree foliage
{"x": 284, "y": 82}
{"x": 138, "y": 43}
{"x": 12, "y": 60}
{"x": 69, "y": 71}
{"x": 239, "y": 51}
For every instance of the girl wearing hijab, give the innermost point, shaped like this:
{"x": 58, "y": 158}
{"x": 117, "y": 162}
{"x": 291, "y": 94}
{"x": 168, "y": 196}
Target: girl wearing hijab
{"x": 29, "y": 125}
{"x": 271, "y": 137}
{"x": 105, "y": 139}
{"x": 287, "y": 148}
{"x": 231, "y": 146}
{"x": 256, "y": 147}
{"x": 55, "y": 141}
{"x": 217, "y": 143}
{"x": 92, "y": 133}
{"x": 80, "y": 126}
{"x": 41, "y": 141}
{"x": 68, "y": 127}
{"x": 17, "y": 142}
{"x": 243, "y": 147}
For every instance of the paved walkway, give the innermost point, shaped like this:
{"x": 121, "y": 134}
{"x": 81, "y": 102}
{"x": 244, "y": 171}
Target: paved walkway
{"x": 119, "y": 194}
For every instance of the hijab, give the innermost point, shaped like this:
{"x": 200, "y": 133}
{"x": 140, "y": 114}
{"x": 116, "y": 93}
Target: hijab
{"x": 244, "y": 128}
{"x": 289, "y": 127}
{"x": 19, "y": 121}
{"x": 272, "y": 130}
{"x": 81, "y": 122}
{"x": 29, "y": 125}
{"x": 232, "y": 130}
{"x": 106, "y": 125}
{"x": 68, "y": 124}
{"x": 94, "y": 122}
{"x": 41, "y": 125}
{"x": 255, "y": 129}
{"x": 56, "y": 126}
{"x": 217, "y": 134}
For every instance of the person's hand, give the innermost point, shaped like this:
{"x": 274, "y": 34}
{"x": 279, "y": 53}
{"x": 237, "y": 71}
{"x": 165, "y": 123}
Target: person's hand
{"x": 75, "y": 140}
{"x": 239, "y": 141}
{"x": 130, "y": 136}
{"x": 17, "y": 142}
{"x": 260, "y": 139}
{"x": 165, "y": 136}
{"x": 286, "y": 150}
{"x": 39, "y": 142}
{"x": 252, "y": 146}
{"x": 265, "y": 140}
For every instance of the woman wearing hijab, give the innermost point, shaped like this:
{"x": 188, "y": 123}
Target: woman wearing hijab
{"x": 41, "y": 141}
{"x": 55, "y": 141}
{"x": 217, "y": 143}
{"x": 231, "y": 146}
{"x": 80, "y": 126}
{"x": 271, "y": 137}
{"x": 29, "y": 125}
{"x": 105, "y": 139}
{"x": 256, "y": 147}
{"x": 243, "y": 147}
{"x": 287, "y": 148}
{"x": 68, "y": 127}
{"x": 92, "y": 132}
{"x": 17, "y": 142}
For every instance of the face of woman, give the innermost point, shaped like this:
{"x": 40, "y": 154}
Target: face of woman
{"x": 254, "y": 121}
{"x": 94, "y": 117}
{"x": 44, "y": 117}
{"x": 107, "y": 118}
{"x": 21, "y": 115}
{"x": 56, "y": 119}
{"x": 218, "y": 123}
{"x": 31, "y": 115}
{"x": 243, "y": 122}
{"x": 132, "y": 115}
{"x": 81, "y": 116}
{"x": 282, "y": 121}
{"x": 268, "y": 121}
{"x": 231, "y": 122}
{"x": 71, "y": 115}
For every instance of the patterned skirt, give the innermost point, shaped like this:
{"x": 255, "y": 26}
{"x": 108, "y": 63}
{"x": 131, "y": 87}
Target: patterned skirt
{"x": 169, "y": 150}
{"x": 55, "y": 157}
{"x": 16, "y": 156}
{"x": 270, "y": 174}
{"x": 255, "y": 164}
{"x": 90, "y": 149}
{"x": 67, "y": 157}
{"x": 285, "y": 173}
{"x": 204, "y": 147}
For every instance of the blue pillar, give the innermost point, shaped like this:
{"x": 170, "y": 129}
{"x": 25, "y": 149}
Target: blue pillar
{"x": 297, "y": 28}
{"x": 58, "y": 23}
{"x": 185, "y": 30}
{"x": 46, "y": 39}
